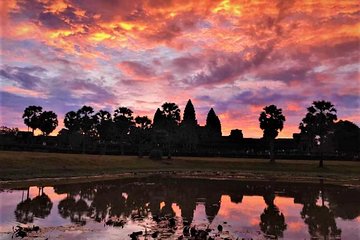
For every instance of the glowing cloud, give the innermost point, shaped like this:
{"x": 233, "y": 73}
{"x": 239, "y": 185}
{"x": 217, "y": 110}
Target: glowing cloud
{"x": 235, "y": 56}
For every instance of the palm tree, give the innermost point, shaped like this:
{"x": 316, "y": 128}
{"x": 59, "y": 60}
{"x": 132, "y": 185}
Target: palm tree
{"x": 86, "y": 119}
{"x": 318, "y": 123}
{"x": 86, "y": 123}
{"x": 31, "y": 117}
{"x": 271, "y": 122}
{"x": 123, "y": 120}
{"x": 104, "y": 126}
{"x": 141, "y": 132}
{"x": 171, "y": 113}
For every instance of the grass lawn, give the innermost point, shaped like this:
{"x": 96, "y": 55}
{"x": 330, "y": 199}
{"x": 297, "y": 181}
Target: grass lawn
{"x": 28, "y": 165}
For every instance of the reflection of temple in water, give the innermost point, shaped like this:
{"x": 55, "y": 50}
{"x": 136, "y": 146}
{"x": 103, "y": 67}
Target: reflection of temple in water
{"x": 155, "y": 196}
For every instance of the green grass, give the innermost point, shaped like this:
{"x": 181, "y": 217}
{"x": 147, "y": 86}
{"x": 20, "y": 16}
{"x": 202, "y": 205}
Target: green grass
{"x": 28, "y": 165}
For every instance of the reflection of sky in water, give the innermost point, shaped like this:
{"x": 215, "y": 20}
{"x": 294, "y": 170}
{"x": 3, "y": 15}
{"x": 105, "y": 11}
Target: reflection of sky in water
{"x": 238, "y": 218}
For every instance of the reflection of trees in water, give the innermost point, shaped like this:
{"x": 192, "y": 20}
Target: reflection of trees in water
{"x": 27, "y": 209}
{"x": 66, "y": 206}
{"x": 344, "y": 204}
{"x": 272, "y": 220}
{"x": 42, "y": 206}
{"x": 76, "y": 210}
{"x": 144, "y": 196}
{"x": 23, "y": 212}
{"x": 320, "y": 219}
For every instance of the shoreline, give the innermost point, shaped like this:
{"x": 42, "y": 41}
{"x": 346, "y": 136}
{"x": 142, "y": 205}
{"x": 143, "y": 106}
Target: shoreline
{"x": 352, "y": 181}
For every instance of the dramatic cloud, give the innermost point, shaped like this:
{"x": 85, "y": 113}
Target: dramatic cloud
{"x": 234, "y": 56}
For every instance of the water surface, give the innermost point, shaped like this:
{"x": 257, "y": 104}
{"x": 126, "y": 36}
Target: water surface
{"x": 245, "y": 209}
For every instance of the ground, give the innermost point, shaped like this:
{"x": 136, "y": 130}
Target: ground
{"x": 36, "y": 166}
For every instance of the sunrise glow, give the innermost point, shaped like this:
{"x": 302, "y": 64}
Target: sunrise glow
{"x": 234, "y": 56}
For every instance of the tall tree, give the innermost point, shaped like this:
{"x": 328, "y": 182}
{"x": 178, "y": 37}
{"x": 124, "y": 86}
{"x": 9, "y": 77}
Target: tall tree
{"x": 143, "y": 122}
{"x": 158, "y": 134}
{"x": 104, "y": 126}
{"x": 31, "y": 117}
{"x": 86, "y": 120}
{"x": 72, "y": 121}
{"x": 213, "y": 124}
{"x": 347, "y": 137}
{"x": 123, "y": 120}
{"x": 271, "y": 122}
{"x": 86, "y": 123}
{"x": 48, "y": 122}
{"x": 171, "y": 113}
{"x": 141, "y": 133}
{"x": 318, "y": 123}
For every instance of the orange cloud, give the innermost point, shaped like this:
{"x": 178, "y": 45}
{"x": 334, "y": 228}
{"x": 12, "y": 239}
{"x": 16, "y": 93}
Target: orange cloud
{"x": 175, "y": 50}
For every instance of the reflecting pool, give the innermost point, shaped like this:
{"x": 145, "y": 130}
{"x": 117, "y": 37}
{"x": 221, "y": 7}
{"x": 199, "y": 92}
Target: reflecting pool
{"x": 162, "y": 207}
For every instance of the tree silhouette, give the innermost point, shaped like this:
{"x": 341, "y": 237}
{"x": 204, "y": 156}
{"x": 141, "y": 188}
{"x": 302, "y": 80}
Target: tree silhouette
{"x": 171, "y": 113}
{"x": 159, "y": 134}
{"x": 123, "y": 120}
{"x": 86, "y": 123}
{"x": 104, "y": 126}
{"x": 320, "y": 221}
{"x": 66, "y": 206}
{"x": 86, "y": 120}
{"x": 143, "y": 122}
{"x": 347, "y": 137}
{"x": 47, "y": 122}
{"x": 41, "y": 205}
{"x": 72, "y": 121}
{"x": 141, "y": 132}
{"x": 213, "y": 124}
{"x": 80, "y": 210}
{"x": 318, "y": 122}
{"x": 31, "y": 117}
{"x": 24, "y": 212}
{"x": 76, "y": 210}
{"x": 271, "y": 122}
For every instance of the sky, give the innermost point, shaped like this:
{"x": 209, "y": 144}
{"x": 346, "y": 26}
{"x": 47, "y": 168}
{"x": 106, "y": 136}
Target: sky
{"x": 234, "y": 56}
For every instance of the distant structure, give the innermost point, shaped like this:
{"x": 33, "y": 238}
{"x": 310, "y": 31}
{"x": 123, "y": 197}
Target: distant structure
{"x": 236, "y": 134}
{"x": 169, "y": 134}
{"x": 213, "y": 125}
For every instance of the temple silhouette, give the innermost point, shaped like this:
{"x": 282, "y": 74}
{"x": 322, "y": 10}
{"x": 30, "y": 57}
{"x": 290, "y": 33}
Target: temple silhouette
{"x": 170, "y": 135}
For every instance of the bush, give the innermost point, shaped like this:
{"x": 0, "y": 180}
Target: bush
{"x": 155, "y": 154}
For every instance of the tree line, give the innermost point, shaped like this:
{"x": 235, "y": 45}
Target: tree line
{"x": 167, "y": 127}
